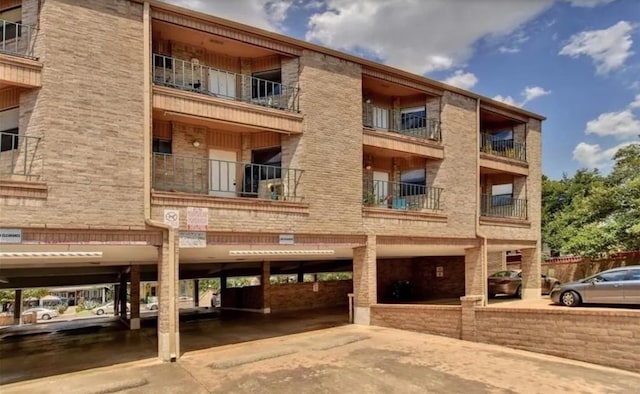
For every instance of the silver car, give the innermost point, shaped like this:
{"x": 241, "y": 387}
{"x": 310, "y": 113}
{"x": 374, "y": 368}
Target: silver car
{"x": 614, "y": 286}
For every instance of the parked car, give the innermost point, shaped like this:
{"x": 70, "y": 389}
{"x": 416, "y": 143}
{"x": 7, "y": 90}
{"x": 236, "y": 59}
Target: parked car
{"x": 42, "y": 313}
{"x": 107, "y": 308}
{"x": 615, "y": 286}
{"x": 152, "y": 303}
{"x": 510, "y": 282}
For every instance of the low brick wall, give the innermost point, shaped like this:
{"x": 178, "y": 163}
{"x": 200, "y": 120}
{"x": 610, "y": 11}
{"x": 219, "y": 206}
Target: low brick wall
{"x": 296, "y": 296}
{"x": 248, "y": 297}
{"x": 443, "y": 320}
{"x": 606, "y": 337}
{"x": 7, "y": 320}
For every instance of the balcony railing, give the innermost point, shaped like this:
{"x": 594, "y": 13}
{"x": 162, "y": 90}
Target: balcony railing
{"x": 411, "y": 124}
{"x": 399, "y": 195}
{"x": 223, "y": 178}
{"x": 15, "y": 38}
{"x": 18, "y": 154}
{"x": 505, "y": 148}
{"x": 503, "y": 205}
{"x": 184, "y": 75}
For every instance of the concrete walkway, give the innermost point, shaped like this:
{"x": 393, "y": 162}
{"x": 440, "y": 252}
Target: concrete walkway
{"x": 347, "y": 359}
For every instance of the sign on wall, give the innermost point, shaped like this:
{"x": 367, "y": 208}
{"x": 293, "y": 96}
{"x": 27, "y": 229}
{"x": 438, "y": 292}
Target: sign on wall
{"x": 439, "y": 272}
{"x": 197, "y": 219}
{"x": 172, "y": 217}
{"x": 10, "y": 235}
{"x": 192, "y": 239}
{"x": 286, "y": 239}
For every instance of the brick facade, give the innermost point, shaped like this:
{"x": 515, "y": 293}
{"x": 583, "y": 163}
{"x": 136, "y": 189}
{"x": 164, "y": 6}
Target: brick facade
{"x": 297, "y": 296}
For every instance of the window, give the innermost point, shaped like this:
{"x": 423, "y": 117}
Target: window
{"x": 266, "y": 83}
{"x": 413, "y": 118}
{"x": 9, "y": 129}
{"x": 501, "y": 194}
{"x": 413, "y": 182}
{"x": 265, "y": 164}
{"x": 9, "y": 140}
{"x": 163, "y": 62}
{"x": 12, "y": 29}
{"x": 161, "y": 146}
{"x": 611, "y": 276}
{"x": 635, "y": 275}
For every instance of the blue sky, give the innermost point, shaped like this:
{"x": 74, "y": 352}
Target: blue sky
{"x": 577, "y": 62}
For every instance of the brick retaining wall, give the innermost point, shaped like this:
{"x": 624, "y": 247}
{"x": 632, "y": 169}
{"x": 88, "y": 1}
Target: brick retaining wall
{"x": 293, "y": 296}
{"x": 445, "y": 320}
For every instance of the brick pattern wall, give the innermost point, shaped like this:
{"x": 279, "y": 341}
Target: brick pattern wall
{"x": 293, "y": 296}
{"x": 248, "y": 297}
{"x": 609, "y": 338}
{"x": 421, "y": 273}
{"x": 429, "y": 319}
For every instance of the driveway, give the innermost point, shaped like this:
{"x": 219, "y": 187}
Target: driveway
{"x": 347, "y": 359}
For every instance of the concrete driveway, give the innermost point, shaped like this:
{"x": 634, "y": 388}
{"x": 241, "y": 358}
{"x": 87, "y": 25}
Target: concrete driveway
{"x": 347, "y": 359}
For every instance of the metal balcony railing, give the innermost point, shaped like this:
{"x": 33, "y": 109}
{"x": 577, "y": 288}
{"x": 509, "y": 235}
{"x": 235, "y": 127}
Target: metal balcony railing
{"x": 411, "y": 124}
{"x": 225, "y": 178}
{"x": 15, "y": 38}
{"x": 503, "y": 205}
{"x": 399, "y": 195}
{"x": 18, "y": 154}
{"x": 505, "y": 148}
{"x": 184, "y": 75}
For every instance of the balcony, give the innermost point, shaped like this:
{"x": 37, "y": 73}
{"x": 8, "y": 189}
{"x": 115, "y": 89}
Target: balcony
{"x": 15, "y": 38}
{"x": 193, "y": 77}
{"x": 220, "y": 178}
{"x": 503, "y": 206}
{"x": 410, "y": 124}
{"x": 400, "y": 196}
{"x": 18, "y": 155}
{"x": 507, "y": 148}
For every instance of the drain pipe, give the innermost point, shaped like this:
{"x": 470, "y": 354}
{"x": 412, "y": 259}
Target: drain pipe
{"x": 479, "y": 234}
{"x": 167, "y": 342}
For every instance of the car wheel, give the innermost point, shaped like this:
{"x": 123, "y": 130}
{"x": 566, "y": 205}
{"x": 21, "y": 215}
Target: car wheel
{"x": 154, "y": 307}
{"x": 46, "y": 317}
{"x": 100, "y": 312}
{"x": 570, "y": 298}
{"x": 519, "y": 292}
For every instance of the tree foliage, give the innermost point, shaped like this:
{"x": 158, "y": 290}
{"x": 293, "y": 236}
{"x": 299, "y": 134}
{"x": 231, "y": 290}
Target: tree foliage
{"x": 590, "y": 214}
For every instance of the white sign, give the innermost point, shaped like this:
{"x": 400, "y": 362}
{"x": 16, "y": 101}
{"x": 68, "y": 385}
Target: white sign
{"x": 286, "y": 239}
{"x": 193, "y": 239}
{"x": 315, "y": 287}
{"x": 440, "y": 272}
{"x": 10, "y": 235}
{"x": 172, "y": 217}
{"x": 197, "y": 219}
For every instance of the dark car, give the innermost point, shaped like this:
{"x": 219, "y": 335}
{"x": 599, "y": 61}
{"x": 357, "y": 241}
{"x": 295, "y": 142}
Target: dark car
{"x": 614, "y": 286}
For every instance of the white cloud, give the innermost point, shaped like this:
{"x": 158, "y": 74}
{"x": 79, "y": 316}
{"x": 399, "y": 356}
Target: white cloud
{"x": 609, "y": 48}
{"x": 636, "y": 102}
{"x": 419, "y": 36}
{"x": 463, "y": 80}
{"x": 593, "y": 156}
{"x": 622, "y": 125}
{"x": 265, "y": 14}
{"x": 504, "y": 49}
{"x": 589, "y": 3}
{"x": 528, "y": 94}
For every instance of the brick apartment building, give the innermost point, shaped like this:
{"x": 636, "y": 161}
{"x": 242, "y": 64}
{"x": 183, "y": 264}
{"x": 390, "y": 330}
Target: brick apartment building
{"x": 143, "y": 141}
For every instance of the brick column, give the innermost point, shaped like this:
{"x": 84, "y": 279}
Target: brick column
{"x": 474, "y": 278}
{"x": 365, "y": 280}
{"x": 245, "y": 83}
{"x": 17, "y": 307}
{"x": 531, "y": 287}
{"x": 469, "y": 305}
{"x": 134, "y": 322}
{"x": 266, "y": 287}
{"x": 496, "y": 261}
{"x": 122, "y": 307}
{"x": 116, "y": 299}
{"x": 168, "y": 287}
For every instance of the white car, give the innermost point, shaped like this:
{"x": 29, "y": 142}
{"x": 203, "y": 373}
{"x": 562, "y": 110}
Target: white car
{"x": 107, "y": 308}
{"x": 42, "y": 313}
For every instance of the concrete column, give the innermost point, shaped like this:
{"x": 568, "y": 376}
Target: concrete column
{"x": 134, "y": 322}
{"x": 475, "y": 281}
{"x": 531, "y": 287}
{"x": 469, "y": 305}
{"x": 365, "y": 280}
{"x": 17, "y": 307}
{"x": 266, "y": 287}
{"x": 123, "y": 297}
{"x": 167, "y": 292}
{"x": 196, "y": 293}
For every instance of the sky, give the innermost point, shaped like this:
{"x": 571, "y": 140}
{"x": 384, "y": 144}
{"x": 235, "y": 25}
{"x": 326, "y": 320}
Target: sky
{"x": 577, "y": 62}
